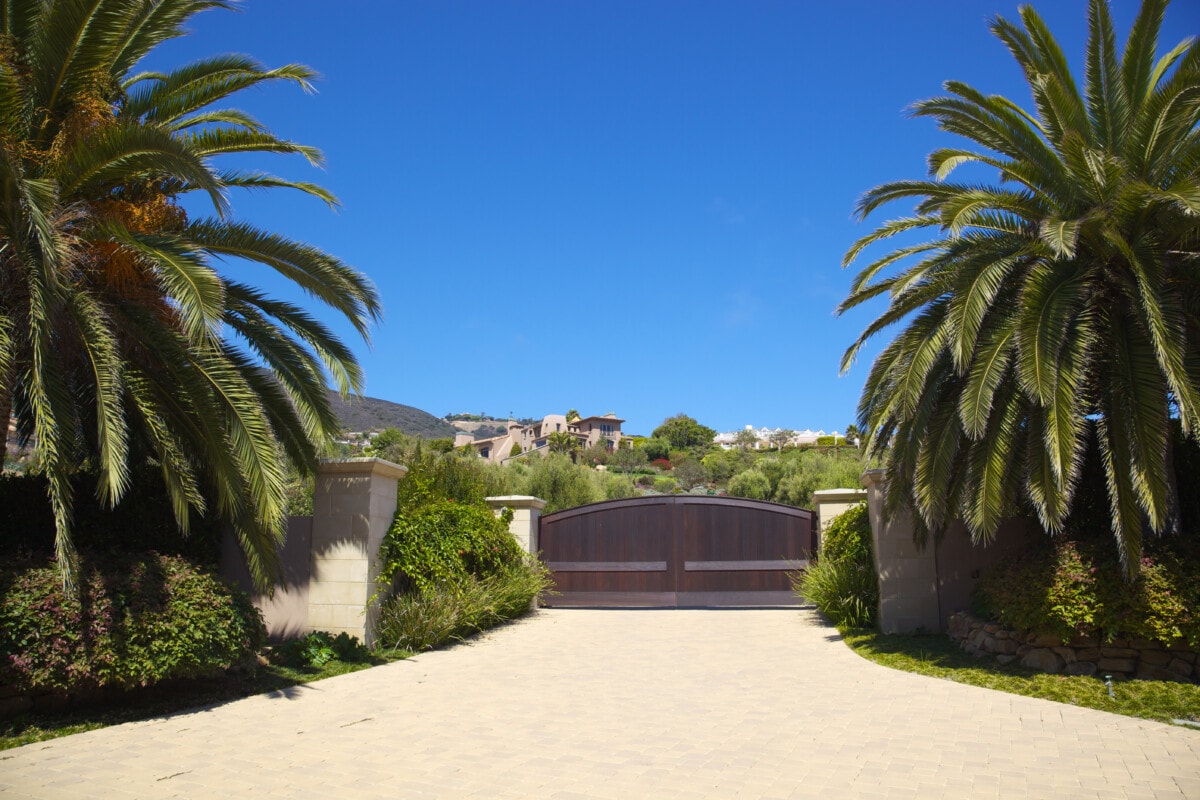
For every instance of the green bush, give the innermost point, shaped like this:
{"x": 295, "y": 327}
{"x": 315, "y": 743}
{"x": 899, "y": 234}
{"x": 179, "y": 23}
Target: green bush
{"x": 444, "y": 542}
{"x": 664, "y": 485}
{"x": 320, "y": 647}
{"x": 416, "y": 621}
{"x": 751, "y": 484}
{"x": 1075, "y": 587}
{"x": 849, "y": 536}
{"x": 137, "y": 620}
{"x": 562, "y": 484}
{"x": 843, "y": 583}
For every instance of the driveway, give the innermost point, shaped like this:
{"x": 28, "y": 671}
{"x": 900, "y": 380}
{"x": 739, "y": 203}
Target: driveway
{"x": 573, "y": 703}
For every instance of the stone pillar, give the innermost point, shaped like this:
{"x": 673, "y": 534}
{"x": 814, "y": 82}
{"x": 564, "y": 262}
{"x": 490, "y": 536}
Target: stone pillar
{"x": 832, "y": 502}
{"x": 353, "y": 504}
{"x": 527, "y": 511}
{"x": 908, "y": 582}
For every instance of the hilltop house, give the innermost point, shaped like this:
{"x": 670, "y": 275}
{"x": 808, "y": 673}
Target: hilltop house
{"x": 531, "y": 438}
{"x": 762, "y": 437}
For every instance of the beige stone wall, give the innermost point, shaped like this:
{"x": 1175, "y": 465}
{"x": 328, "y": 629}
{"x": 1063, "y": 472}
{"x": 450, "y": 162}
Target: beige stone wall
{"x": 353, "y": 505}
{"x": 919, "y": 588}
{"x": 285, "y": 608}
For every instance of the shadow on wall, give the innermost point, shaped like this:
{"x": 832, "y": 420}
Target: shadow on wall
{"x": 919, "y": 588}
{"x": 285, "y": 611}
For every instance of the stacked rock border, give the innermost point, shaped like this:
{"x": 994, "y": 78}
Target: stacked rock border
{"x": 1082, "y": 655}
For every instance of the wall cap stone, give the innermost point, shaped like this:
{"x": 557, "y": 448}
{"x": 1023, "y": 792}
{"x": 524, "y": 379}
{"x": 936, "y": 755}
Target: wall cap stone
{"x": 872, "y": 477}
{"x": 516, "y": 501}
{"x": 362, "y": 466}
{"x": 840, "y": 495}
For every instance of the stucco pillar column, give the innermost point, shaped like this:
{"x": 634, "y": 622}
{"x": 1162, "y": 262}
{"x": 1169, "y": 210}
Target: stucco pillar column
{"x": 908, "y": 595}
{"x": 354, "y": 501}
{"x": 527, "y": 511}
{"x": 832, "y": 502}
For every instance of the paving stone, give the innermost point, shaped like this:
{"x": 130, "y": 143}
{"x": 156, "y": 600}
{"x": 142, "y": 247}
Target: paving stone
{"x": 577, "y": 703}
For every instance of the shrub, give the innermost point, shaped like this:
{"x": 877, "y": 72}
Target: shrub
{"x": 1075, "y": 587}
{"x": 616, "y": 487}
{"x": 661, "y": 464}
{"x": 444, "y": 542}
{"x": 561, "y": 483}
{"x": 646, "y": 481}
{"x": 751, "y": 483}
{"x": 320, "y": 647}
{"x": 137, "y": 620}
{"x": 849, "y": 536}
{"x": 843, "y": 583}
{"x": 418, "y": 621}
{"x": 664, "y": 485}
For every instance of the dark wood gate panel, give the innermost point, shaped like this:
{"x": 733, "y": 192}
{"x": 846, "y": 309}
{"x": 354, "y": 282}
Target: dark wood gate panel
{"x": 676, "y": 550}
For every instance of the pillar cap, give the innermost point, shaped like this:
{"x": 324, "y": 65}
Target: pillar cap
{"x": 516, "y": 501}
{"x": 362, "y": 466}
{"x": 873, "y": 476}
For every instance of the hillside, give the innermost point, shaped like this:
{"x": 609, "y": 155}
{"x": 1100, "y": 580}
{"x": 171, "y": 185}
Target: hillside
{"x": 370, "y": 413}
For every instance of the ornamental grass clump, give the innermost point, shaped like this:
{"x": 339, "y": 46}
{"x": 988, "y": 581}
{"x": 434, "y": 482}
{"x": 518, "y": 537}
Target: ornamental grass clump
{"x": 843, "y": 582}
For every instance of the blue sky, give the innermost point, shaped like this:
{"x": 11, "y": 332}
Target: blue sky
{"x": 627, "y": 206}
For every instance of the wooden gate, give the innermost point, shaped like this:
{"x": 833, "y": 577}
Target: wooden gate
{"x": 676, "y": 551}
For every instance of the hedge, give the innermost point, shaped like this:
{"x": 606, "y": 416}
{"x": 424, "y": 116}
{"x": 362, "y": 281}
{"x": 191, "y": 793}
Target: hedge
{"x": 136, "y": 620}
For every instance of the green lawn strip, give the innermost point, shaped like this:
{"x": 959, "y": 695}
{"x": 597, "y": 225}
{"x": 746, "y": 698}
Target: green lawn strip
{"x": 160, "y": 701}
{"x": 939, "y": 657}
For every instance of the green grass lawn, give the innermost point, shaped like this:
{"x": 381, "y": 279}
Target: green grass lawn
{"x": 163, "y": 700}
{"x": 939, "y": 657}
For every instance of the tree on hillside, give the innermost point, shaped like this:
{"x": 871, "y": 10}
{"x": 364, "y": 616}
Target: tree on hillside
{"x": 683, "y": 433}
{"x": 746, "y": 439}
{"x": 689, "y": 473}
{"x": 781, "y": 437}
{"x": 1054, "y": 311}
{"x": 127, "y": 332}
{"x": 572, "y": 415}
{"x": 627, "y": 459}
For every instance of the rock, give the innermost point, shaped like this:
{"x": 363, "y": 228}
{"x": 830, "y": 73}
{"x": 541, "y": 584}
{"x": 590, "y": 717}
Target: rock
{"x": 1081, "y": 668}
{"x": 1084, "y": 641}
{"x": 1119, "y": 652}
{"x": 1067, "y": 654}
{"x": 1088, "y": 654}
{"x": 1181, "y": 667}
{"x": 991, "y": 627}
{"x": 1046, "y": 640}
{"x": 1006, "y": 647}
{"x": 1002, "y": 634}
{"x": 1005, "y": 658}
{"x": 988, "y": 645}
{"x": 16, "y": 704}
{"x": 1042, "y": 659}
{"x": 1152, "y": 673}
{"x": 1023, "y": 649}
{"x": 1142, "y": 644}
{"x": 1118, "y": 642}
{"x": 1156, "y": 657}
{"x": 1116, "y": 665}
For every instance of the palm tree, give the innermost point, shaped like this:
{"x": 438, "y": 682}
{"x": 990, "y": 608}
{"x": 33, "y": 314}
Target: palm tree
{"x": 563, "y": 442}
{"x": 124, "y": 333}
{"x": 1057, "y": 308}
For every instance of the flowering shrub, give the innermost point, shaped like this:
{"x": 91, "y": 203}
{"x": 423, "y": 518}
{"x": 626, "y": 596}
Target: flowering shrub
{"x": 661, "y": 463}
{"x": 136, "y": 620}
{"x": 1076, "y": 588}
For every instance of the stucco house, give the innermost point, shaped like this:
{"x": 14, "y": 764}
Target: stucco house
{"x": 532, "y": 438}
